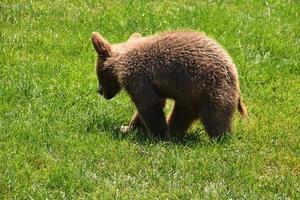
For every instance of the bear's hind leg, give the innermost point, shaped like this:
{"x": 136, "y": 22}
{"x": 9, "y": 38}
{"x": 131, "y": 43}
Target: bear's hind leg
{"x": 217, "y": 119}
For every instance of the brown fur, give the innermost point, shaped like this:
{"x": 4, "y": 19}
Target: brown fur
{"x": 185, "y": 66}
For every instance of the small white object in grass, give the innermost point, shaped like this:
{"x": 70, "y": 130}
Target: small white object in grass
{"x": 125, "y": 129}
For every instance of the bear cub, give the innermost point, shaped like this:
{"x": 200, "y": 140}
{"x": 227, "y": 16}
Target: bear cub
{"x": 186, "y": 66}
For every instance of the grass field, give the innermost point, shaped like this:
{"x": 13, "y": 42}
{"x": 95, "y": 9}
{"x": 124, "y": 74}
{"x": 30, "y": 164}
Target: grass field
{"x": 58, "y": 138}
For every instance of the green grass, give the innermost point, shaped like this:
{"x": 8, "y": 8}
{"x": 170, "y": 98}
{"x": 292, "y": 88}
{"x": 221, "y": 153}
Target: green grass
{"x": 58, "y": 138}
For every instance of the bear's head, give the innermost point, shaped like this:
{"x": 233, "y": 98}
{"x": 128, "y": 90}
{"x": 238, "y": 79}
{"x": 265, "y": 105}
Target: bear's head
{"x": 108, "y": 85}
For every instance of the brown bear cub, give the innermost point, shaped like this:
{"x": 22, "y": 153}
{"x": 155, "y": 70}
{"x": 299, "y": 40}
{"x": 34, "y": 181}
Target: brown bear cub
{"x": 185, "y": 66}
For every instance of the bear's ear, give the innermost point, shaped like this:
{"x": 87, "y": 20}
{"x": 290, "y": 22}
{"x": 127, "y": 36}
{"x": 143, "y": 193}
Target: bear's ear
{"x": 135, "y": 36}
{"x": 102, "y": 47}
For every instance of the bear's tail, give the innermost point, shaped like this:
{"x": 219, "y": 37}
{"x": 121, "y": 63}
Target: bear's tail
{"x": 242, "y": 108}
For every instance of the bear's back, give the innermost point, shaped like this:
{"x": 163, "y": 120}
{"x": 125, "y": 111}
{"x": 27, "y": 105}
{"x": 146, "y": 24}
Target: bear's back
{"x": 185, "y": 48}
{"x": 180, "y": 60}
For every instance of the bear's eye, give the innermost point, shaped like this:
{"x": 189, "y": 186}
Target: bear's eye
{"x": 102, "y": 70}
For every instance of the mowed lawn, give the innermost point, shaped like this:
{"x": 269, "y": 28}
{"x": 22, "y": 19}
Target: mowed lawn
{"x": 59, "y": 139}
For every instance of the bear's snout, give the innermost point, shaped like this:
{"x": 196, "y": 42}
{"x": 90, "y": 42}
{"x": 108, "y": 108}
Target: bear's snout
{"x": 100, "y": 90}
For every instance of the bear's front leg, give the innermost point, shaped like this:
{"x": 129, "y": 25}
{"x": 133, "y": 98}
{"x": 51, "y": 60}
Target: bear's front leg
{"x": 153, "y": 118}
{"x": 148, "y": 105}
{"x": 136, "y": 122}
{"x": 180, "y": 120}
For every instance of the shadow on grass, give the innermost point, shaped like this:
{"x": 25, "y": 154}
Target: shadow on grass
{"x": 112, "y": 128}
{"x": 192, "y": 138}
